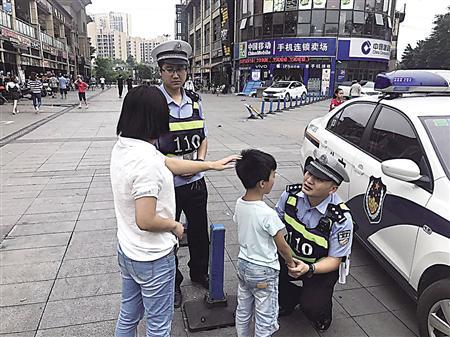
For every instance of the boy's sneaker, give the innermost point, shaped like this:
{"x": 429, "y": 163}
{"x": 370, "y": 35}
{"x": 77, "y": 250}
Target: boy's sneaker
{"x": 285, "y": 311}
{"x": 323, "y": 324}
{"x": 79, "y": 107}
{"x": 86, "y": 106}
{"x": 178, "y": 297}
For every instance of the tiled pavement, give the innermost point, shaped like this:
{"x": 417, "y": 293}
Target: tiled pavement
{"x": 59, "y": 275}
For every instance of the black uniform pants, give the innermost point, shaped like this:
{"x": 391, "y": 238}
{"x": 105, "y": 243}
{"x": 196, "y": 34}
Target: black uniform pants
{"x": 192, "y": 199}
{"x": 314, "y": 297}
{"x": 120, "y": 87}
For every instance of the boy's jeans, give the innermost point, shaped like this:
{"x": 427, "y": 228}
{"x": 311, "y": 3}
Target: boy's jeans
{"x": 146, "y": 287}
{"x": 257, "y": 294}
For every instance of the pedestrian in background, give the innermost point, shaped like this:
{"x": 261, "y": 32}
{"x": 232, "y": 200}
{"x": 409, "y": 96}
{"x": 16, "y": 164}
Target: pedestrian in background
{"x": 260, "y": 236}
{"x": 129, "y": 83}
{"x": 12, "y": 86}
{"x": 338, "y": 98}
{"x": 144, "y": 203}
{"x": 62, "y": 86}
{"x": 81, "y": 86}
{"x": 102, "y": 83}
{"x": 120, "y": 85}
{"x": 186, "y": 140}
{"x": 35, "y": 86}
{"x": 355, "y": 89}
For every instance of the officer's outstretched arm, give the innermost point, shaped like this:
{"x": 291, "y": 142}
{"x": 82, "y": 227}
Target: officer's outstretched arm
{"x": 327, "y": 265}
{"x": 179, "y": 167}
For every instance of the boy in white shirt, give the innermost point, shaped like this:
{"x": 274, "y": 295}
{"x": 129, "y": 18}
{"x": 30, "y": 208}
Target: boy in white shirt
{"x": 260, "y": 236}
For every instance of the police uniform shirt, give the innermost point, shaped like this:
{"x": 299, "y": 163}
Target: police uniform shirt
{"x": 340, "y": 242}
{"x": 184, "y": 110}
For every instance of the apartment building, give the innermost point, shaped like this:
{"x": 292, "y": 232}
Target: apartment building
{"x": 44, "y": 35}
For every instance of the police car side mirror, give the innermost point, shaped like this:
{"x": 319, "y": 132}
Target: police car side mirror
{"x": 402, "y": 169}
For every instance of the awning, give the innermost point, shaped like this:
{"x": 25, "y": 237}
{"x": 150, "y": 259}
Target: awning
{"x": 212, "y": 65}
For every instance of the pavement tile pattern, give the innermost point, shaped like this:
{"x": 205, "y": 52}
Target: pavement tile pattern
{"x": 58, "y": 270}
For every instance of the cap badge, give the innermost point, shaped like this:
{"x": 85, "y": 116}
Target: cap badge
{"x": 178, "y": 46}
{"x": 323, "y": 159}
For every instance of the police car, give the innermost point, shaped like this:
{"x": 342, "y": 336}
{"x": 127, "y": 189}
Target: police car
{"x": 396, "y": 149}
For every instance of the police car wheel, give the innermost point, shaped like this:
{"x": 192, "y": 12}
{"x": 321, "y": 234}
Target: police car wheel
{"x": 433, "y": 310}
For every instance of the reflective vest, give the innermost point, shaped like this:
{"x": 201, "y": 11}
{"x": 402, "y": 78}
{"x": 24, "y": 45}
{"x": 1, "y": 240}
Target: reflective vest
{"x": 186, "y": 134}
{"x": 309, "y": 244}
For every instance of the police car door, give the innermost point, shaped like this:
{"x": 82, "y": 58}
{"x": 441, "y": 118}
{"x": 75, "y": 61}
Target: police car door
{"x": 387, "y": 210}
{"x": 346, "y": 129}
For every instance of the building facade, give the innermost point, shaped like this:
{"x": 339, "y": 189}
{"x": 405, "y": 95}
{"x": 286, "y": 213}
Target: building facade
{"x": 319, "y": 42}
{"x": 134, "y": 48}
{"x": 44, "y": 35}
{"x": 108, "y": 43}
{"x": 113, "y": 21}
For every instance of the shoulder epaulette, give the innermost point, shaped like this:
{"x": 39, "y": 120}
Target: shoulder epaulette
{"x": 294, "y": 188}
{"x": 192, "y": 95}
{"x": 337, "y": 212}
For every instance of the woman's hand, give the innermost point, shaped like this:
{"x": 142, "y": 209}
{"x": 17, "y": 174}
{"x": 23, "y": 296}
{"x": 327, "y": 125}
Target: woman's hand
{"x": 225, "y": 163}
{"x": 178, "y": 231}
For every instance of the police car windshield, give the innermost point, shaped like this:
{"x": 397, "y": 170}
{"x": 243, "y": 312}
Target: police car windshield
{"x": 281, "y": 85}
{"x": 438, "y": 129}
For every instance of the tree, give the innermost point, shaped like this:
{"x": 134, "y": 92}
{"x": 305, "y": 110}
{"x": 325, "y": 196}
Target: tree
{"x": 144, "y": 72}
{"x": 130, "y": 61}
{"x": 104, "y": 68}
{"x": 434, "y": 51}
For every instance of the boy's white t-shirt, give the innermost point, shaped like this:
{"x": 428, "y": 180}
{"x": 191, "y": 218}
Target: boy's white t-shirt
{"x": 138, "y": 170}
{"x": 257, "y": 225}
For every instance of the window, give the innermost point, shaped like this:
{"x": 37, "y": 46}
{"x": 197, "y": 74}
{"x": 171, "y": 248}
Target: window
{"x": 291, "y": 5}
{"x": 370, "y": 21}
{"x": 317, "y": 22}
{"x": 350, "y": 122}
{"x": 359, "y": 20}
{"x": 379, "y": 5}
{"x": 278, "y": 24}
{"x": 258, "y": 6}
{"x": 332, "y": 17}
{"x": 207, "y": 33}
{"x": 393, "y": 137}
{"x": 359, "y": 5}
{"x": 290, "y": 23}
{"x": 258, "y": 21}
{"x": 346, "y": 23}
{"x": 267, "y": 24}
{"x": 304, "y": 17}
{"x": 331, "y": 29}
{"x": 333, "y": 4}
{"x": 303, "y": 29}
{"x": 370, "y": 5}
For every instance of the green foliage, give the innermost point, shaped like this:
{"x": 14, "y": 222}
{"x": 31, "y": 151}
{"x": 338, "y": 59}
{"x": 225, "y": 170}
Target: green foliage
{"x": 144, "y": 71}
{"x": 130, "y": 61}
{"x": 104, "y": 68}
{"x": 434, "y": 51}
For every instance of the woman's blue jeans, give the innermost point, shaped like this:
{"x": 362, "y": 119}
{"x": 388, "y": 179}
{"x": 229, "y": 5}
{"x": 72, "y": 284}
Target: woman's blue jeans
{"x": 147, "y": 287}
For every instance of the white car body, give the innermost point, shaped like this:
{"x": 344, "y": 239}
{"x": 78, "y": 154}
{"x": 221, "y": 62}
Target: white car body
{"x": 367, "y": 89}
{"x": 409, "y": 232}
{"x": 285, "y": 90}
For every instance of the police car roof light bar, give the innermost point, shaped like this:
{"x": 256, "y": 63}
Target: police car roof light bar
{"x": 413, "y": 81}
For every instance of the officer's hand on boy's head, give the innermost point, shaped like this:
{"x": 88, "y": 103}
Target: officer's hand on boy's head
{"x": 225, "y": 163}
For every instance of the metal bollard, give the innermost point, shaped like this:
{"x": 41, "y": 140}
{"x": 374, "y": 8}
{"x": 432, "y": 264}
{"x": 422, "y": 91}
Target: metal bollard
{"x": 284, "y": 103}
{"x": 271, "y": 108}
{"x": 263, "y": 103}
{"x": 296, "y": 101}
{"x": 278, "y": 106}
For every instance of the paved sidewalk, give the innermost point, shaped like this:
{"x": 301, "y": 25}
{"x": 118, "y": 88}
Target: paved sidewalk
{"x": 58, "y": 270}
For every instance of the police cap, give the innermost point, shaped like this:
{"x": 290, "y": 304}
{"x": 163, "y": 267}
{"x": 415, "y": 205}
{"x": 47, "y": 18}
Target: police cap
{"x": 326, "y": 167}
{"x": 172, "y": 52}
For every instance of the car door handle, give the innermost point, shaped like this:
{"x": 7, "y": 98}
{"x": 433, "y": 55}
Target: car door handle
{"x": 359, "y": 169}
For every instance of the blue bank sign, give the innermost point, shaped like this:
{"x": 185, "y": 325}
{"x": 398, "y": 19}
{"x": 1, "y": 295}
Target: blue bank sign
{"x": 319, "y": 47}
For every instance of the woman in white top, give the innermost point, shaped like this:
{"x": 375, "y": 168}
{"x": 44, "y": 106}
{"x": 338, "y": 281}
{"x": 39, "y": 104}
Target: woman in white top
{"x": 12, "y": 86}
{"x": 144, "y": 201}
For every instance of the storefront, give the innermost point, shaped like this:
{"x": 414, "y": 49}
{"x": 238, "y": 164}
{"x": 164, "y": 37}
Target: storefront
{"x": 309, "y": 60}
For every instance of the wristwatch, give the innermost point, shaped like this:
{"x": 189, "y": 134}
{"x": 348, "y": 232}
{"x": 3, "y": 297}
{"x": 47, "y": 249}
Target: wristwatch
{"x": 311, "y": 270}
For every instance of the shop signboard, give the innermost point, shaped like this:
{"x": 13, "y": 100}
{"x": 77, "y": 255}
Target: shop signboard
{"x": 7, "y": 7}
{"x": 291, "y": 5}
{"x": 292, "y": 47}
{"x": 305, "y": 4}
{"x": 242, "y": 50}
{"x": 225, "y": 32}
{"x": 347, "y": 4}
{"x": 370, "y": 48}
{"x": 319, "y": 3}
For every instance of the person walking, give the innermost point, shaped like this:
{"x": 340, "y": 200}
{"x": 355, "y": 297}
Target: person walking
{"x": 338, "y": 98}
{"x": 35, "y": 86}
{"x": 144, "y": 203}
{"x": 320, "y": 232}
{"x": 12, "y": 86}
{"x": 63, "y": 82}
{"x": 355, "y": 89}
{"x": 102, "y": 83}
{"x": 120, "y": 85}
{"x": 54, "y": 84}
{"x": 186, "y": 140}
{"x": 129, "y": 83}
{"x": 81, "y": 86}
{"x": 260, "y": 236}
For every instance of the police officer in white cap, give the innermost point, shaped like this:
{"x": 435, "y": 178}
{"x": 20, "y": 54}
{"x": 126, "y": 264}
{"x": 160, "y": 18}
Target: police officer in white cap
{"x": 319, "y": 231}
{"x": 186, "y": 140}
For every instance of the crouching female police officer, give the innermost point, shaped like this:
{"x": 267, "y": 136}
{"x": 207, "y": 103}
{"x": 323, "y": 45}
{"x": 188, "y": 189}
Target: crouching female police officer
{"x": 319, "y": 231}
